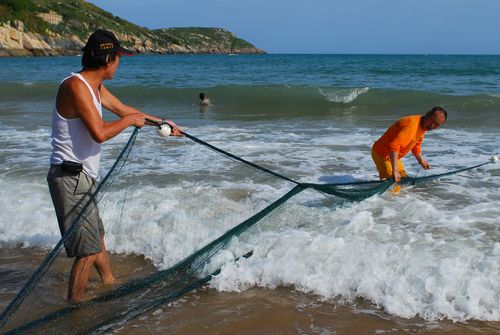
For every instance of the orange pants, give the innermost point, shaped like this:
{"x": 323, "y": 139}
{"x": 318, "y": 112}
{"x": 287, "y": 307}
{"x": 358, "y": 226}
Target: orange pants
{"x": 384, "y": 166}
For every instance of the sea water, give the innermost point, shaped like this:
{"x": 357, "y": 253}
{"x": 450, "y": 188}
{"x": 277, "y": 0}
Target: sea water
{"x": 433, "y": 251}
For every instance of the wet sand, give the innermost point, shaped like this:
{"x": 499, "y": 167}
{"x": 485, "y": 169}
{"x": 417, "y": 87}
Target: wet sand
{"x": 205, "y": 311}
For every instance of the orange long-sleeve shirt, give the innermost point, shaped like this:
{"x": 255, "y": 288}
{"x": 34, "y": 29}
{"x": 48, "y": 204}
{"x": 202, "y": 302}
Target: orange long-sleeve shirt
{"x": 404, "y": 135}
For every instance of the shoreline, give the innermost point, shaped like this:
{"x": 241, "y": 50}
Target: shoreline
{"x": 17, "y": 53}
{"x": 282, "y": 310}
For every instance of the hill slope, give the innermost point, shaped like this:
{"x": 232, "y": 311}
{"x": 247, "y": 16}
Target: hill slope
{"x": 52, "y": 27}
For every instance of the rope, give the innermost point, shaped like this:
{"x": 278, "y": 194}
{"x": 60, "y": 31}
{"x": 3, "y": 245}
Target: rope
{"x": 253, "y": 165}
{"x": 322, "y": 187}
{"x": 225, "y": 153}
{"x": 261, "y": 168}
{"x": 414, "y": 180}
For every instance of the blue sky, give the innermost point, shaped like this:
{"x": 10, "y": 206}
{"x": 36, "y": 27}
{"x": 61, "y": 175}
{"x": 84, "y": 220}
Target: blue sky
{"x": 332, "y": 26}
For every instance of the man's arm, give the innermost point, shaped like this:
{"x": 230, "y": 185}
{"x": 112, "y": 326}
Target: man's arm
{"x": 416, "y": 150}
{"x": 75, "y": 99}
{"x": 394, "y": 163}
{"x": 396, "y": 145}
{"x": 422, "y": 161}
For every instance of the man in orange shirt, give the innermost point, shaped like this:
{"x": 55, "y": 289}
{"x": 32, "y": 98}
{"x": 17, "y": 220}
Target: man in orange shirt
{"x": 405, "y": 135}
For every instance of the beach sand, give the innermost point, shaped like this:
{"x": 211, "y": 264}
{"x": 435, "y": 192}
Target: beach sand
{"x": 282, "y": 310}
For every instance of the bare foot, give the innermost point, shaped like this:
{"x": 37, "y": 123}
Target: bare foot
{"x": 73, "y": 301}
{"x": 111, "y": 281}
{"x": 395, "y": 189}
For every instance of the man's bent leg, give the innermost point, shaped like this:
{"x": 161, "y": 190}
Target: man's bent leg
{"x": 384, "y": 169}
{"x": 79, "y": 277}
{"x": 397, "y": 188}
{"x": 384, "y": 166}
{"x": 103, "y": 267}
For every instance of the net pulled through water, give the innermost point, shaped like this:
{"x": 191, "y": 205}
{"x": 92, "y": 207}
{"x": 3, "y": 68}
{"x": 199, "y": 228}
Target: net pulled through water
{"x": 147, "y": 290}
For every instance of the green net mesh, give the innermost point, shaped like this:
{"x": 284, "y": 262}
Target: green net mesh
{"x": 151, "y": 289}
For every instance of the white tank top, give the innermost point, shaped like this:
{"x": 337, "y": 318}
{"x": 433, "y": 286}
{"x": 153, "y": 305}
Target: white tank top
{"x": 71, "y": 140}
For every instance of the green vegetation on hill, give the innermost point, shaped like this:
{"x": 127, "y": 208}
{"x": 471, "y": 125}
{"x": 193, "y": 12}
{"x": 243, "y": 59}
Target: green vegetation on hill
{"x": 22, "y": 10}
{"x": 203, "y": 38}
{"x": 80, "y": 18}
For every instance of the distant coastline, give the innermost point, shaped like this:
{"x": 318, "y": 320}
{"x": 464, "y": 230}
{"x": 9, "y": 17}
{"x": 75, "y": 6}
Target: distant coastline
{"x": 53, "y": 28}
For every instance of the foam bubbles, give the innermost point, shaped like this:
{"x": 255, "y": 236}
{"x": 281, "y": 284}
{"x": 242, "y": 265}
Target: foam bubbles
{"x": 432, "y": 251}
{"x": 408, "y": 271}
{"x": 343, "y": 95}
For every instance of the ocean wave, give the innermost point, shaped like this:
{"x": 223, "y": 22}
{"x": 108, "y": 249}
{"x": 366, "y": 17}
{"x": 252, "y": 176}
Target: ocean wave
{"x": 344, "y": 95}
{"x": 363, "y": 105}
{"x": 409, "y": 270}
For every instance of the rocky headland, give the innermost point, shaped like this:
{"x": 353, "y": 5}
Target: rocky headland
{"x": 51, "y": 28}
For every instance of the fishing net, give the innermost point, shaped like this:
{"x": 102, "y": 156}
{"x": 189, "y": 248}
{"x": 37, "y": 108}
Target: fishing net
{"x": 219, "y": 239}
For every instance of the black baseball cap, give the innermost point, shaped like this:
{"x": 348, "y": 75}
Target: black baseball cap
{"x": 103, "y": 42}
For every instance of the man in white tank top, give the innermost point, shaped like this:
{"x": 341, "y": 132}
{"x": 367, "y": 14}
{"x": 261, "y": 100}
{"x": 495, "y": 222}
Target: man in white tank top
{"x": 78, "y": 130}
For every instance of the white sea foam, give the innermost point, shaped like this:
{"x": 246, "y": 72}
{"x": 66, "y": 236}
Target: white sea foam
{"x": 344, "y": 95}
{"x": 431, "y": 251}
{"x": 398, "y": 252}
{"x": 27, "y": 213}
{"x": 407, "y": 260}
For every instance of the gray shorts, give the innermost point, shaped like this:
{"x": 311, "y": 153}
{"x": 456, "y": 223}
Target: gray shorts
{"x": 70, "y": 193}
